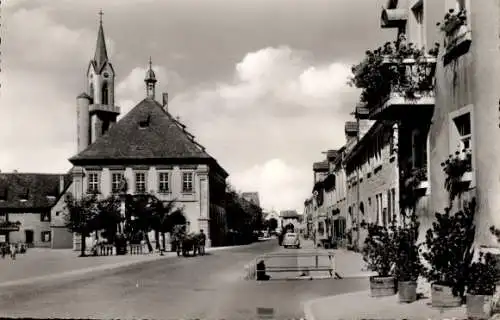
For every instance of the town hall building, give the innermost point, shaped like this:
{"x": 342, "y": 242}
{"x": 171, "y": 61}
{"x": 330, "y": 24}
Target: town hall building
{"x": 148, "y": 148}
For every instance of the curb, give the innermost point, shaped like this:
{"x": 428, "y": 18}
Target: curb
{"x": 105, "y": 267}
{"x": 307, "y": 305}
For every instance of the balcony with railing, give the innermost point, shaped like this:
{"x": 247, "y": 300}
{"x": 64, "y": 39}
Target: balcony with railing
{"x": 104, "y": 107}
{"x": 397, "y": 81}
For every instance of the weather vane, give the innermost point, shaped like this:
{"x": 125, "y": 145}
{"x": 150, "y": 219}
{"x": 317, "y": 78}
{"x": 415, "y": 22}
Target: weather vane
{"x": 100, "y": 15}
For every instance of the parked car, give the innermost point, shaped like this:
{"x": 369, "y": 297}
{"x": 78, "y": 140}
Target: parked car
{"x": 291, "y": 239}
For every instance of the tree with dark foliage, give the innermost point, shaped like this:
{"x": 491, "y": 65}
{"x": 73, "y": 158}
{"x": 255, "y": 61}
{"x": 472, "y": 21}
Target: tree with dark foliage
{"x": 81, "y": 216}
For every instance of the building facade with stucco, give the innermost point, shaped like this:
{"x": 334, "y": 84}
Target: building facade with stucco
{"x": 148, "y": 149}
{"x": 27, "y": 201}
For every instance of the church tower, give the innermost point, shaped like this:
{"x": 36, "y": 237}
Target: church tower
{"x": 96, "y": 111}
{"x": 150, "y": 81}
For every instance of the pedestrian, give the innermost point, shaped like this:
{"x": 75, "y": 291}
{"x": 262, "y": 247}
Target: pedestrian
{"x": 13, "y": 251}
{"x": 4, "y": 250}
{"x": 203, "y": 239}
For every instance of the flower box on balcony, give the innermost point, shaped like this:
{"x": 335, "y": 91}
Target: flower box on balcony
{"x": 457, "y": 43}
{"x": 412, "y": 92}
{"x": 396, "y": 75}
{"x": 452, "y": 24}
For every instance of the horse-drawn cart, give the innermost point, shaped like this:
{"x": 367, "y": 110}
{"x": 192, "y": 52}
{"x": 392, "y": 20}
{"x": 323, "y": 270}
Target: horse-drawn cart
{"x": 190, "y": 244}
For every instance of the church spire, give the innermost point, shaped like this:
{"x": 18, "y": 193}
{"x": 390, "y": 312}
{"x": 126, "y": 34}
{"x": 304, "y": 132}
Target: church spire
{"x": 150, "y": 81}
{"x": 101, "y": 54}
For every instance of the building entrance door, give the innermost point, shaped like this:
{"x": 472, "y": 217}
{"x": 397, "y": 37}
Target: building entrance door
{"x": 28, "y": 236}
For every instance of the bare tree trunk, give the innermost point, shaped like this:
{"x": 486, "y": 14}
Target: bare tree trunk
{"x": 157, "y": 239}
{"x": 163, "y": 241}
{"x": 148, "y": 243}
{"x": 83, "y": 241}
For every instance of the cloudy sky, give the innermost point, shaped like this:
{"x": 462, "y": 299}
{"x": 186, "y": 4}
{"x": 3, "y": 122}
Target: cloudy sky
{"x": 260, "y": 83}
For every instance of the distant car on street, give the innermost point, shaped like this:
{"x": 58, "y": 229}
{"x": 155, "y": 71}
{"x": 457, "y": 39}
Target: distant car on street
{"x": 291, "y": 239}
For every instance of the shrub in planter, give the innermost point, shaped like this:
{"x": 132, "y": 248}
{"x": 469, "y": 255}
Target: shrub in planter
{"x": 407, "y": 260}
{"x": 449, "y": 254}
{"x": 481, "y": 284}
{"x": 379, "y": 254}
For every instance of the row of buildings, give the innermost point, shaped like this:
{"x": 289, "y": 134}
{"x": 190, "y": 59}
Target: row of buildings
{"x": 443, "y": 103}
{"x": 147, "y": 147}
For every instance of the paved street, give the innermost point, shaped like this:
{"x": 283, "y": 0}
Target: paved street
{"x": 210, "y": 287}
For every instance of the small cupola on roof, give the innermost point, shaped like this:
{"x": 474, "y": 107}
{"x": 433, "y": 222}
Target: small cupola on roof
{"x": 150, "y": 81}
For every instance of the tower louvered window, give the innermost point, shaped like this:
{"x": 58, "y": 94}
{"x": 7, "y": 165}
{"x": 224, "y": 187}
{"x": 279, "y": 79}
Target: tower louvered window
{"x": 105, "y": 93}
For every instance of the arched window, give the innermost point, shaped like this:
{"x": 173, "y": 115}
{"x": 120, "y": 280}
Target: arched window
{"x": 91, "y": 93}
{"x": 362, "y": 208}
{"x": 105, "y": 93}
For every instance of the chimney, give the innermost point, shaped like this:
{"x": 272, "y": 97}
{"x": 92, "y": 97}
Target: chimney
{"x": 61, "y": 184}
{"x": 165, "y": 100}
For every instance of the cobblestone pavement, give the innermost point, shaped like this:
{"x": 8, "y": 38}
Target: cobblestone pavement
{"x": 209, "y": 287}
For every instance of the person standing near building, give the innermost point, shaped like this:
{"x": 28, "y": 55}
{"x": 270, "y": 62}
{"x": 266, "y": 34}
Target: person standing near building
{"x": 13, "y": 250}
{"x": 203, "y": 239}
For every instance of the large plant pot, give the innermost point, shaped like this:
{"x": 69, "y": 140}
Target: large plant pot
{"x": 478, "y": 307}
{"x": 442, "y": 297}
{"x": 382, "y": 286}
{"x": 407, "y": 291}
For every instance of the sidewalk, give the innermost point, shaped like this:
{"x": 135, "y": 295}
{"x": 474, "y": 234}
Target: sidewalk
{"x": 43, "y": 264}
{"x": 359, "y": 305}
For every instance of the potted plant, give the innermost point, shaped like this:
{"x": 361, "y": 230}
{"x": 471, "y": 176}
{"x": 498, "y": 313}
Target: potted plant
{"x": 449, "y": 254}
{"x": 384, "y": 70}
{"x": 452, "y": 20}
{"x": 458, "y": 171}
{"x": 481, "y": 284}
{"x": 407, "y": 260}
{"x": 379, "y": 255}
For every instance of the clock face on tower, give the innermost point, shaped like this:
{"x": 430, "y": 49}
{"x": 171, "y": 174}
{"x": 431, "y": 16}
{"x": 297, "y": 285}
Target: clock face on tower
{"x": 106, "y": 75}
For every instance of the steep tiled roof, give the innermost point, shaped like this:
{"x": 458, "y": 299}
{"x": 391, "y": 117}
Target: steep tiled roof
{"x": 146, "y": 132}
{"x": 30, "y": 190}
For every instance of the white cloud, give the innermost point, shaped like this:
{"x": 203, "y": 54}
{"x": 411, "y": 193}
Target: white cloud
{"x": 280, "y": 185}
{"x": 283, "y": 75}
{"x": 51, "y": 45}
{"x": 279, "y": 105}
{"x": 132, "y": 88}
